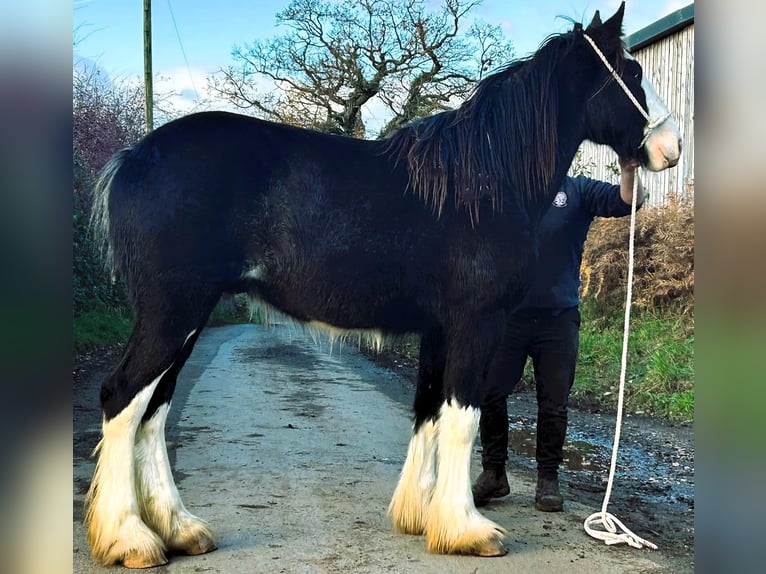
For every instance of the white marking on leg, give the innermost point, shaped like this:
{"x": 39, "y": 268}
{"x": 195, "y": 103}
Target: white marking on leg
{"x": 186, "y": 340}
{"x": 158, "y": 497}
{"x": 412, "y": 496}
{"x": 115, "y": 529}
{"x": 453, "y": 524}
{"x": 116, "y": 532}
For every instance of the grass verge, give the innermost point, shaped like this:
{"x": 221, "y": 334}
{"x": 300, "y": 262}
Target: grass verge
{"x": 100, "y": 328}
{"x": 659, "y": 372}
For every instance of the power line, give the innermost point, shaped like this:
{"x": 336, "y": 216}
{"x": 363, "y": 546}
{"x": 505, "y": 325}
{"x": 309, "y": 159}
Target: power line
{"x": 180, "y": 43}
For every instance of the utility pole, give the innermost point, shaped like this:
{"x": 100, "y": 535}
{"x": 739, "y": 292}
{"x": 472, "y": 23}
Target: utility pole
{"x": 148, "y": 88}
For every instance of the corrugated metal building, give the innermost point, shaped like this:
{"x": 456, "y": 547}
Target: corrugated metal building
{"x": 665, "y": 50}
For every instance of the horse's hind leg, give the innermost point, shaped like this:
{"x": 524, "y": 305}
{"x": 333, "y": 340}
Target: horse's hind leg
{"x": 135, "y": 398}
{"x": 159, "y": 501}
{"x": 116, "y": 532}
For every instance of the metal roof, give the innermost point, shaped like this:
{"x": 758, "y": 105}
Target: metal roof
{"x": 661, "y": 28}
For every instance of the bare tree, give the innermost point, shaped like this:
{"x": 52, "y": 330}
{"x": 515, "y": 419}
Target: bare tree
{"x": 106, "y": 116}
{"x": 339, "y": 55}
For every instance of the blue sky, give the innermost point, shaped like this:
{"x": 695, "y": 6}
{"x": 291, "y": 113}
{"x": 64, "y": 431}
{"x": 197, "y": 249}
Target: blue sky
{"x": 110, "y": 32}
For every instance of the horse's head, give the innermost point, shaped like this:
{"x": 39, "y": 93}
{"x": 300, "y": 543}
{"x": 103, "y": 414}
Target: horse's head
{"x": 624, "y": 111}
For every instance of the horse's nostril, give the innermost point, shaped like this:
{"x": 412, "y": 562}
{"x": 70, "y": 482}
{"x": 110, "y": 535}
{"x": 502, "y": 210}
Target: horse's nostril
{"x": 680, "y": 146}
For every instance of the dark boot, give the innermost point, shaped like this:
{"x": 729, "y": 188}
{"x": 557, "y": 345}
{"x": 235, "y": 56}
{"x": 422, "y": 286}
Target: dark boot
{"x": 491, "y": 483}
{"x": 547, "y": 495}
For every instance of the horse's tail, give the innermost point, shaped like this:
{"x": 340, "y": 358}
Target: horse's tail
{"x": 100, "y": 220}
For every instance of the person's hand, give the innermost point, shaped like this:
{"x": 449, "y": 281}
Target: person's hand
{"x": 628, "y": 164}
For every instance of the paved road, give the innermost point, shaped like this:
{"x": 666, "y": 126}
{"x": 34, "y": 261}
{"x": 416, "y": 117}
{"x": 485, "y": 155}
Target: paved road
{"x": 291, "y": 449}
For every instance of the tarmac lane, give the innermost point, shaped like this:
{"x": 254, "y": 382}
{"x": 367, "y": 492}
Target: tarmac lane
{"x": 290, "y": 446}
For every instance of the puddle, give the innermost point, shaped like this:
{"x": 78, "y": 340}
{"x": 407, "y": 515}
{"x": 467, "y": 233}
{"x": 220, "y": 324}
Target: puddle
{"x": 645, "y": 468}
{"x": 578, "y": 454}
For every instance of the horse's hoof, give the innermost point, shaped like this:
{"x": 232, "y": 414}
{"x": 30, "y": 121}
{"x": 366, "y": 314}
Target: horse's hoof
{"x": 195, "y": 538}
{"x": 492, "y": 548}
{"x": 137, "y": 559}
{"x": 202, "y": 546}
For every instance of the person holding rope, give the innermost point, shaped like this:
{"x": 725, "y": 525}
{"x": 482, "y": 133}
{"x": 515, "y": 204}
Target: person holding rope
{"x": 546, "y": 327}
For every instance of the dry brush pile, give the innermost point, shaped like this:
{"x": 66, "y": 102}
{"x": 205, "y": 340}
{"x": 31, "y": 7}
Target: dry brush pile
{"x": 663, "y": 277}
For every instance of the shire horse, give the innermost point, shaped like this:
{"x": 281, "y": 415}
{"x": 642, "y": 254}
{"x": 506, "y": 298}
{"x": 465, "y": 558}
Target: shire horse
{"x": 431, "y": 231}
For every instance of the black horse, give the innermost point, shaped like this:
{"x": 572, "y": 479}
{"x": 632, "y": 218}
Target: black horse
{"x": 431, "y": 231}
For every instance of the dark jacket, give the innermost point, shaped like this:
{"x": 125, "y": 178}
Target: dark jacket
{"x": 556, "y": 282}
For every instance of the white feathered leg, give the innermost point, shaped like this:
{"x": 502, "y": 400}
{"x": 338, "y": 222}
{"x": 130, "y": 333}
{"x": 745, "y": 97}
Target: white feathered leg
{"x": 412, "y": 496}
{"x": 116, "y": 532}
{"x": 158, "y": 497}
{"x": 453, "y": 525}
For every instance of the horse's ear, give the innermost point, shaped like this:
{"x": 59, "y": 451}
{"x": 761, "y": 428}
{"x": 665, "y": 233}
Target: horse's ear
{"x": 596, "y": 22}
{"x": 610, "y": 31}
{"x": 613, "y": 26}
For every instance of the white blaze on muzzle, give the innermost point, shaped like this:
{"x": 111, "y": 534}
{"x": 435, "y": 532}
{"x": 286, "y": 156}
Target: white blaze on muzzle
{"x": 662, "y": 141}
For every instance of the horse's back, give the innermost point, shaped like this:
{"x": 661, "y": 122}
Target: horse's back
{"x": 294, "y": 216}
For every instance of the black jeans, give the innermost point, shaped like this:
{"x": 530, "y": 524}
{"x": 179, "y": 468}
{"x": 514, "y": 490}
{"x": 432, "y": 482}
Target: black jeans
{"x": 551, "y": 339}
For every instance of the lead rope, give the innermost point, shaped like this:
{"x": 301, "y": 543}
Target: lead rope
{"x": 611, "y": 524}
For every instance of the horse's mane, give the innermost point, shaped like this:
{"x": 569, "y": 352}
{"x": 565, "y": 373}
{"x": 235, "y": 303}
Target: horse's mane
{"x": 502, "y": 137}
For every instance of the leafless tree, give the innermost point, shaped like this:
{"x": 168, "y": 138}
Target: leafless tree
{"x": 337, "y": 56}
{"x": 106, "y": 116}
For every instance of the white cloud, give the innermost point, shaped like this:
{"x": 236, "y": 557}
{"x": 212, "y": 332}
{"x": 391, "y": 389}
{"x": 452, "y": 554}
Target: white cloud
{"x": 185, "y": 90}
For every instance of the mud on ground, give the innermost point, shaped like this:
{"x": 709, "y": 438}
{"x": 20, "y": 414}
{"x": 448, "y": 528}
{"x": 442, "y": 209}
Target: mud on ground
{"x": 653, "y": 488}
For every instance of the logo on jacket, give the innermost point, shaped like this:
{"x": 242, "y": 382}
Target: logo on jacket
{"x": 560, "y": 200}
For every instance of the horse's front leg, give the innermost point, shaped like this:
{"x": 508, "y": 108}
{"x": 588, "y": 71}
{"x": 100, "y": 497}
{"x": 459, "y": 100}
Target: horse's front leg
{"x": 409, "y": 505}
{"x": 453, "y": 525}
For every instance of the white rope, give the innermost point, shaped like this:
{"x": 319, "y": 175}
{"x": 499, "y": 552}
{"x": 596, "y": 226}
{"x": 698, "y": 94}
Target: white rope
{"x": 611, "y": 535}
{"x": 617, "y": 78}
